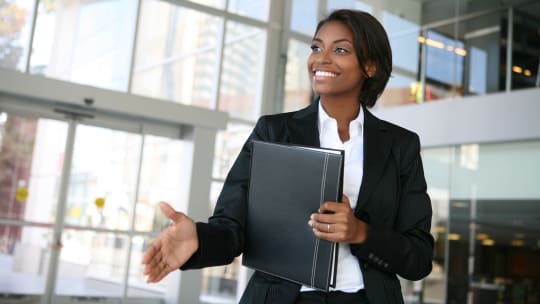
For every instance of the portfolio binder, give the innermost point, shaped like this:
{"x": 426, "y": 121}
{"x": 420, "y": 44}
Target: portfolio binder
{"x": 287, "y": 184}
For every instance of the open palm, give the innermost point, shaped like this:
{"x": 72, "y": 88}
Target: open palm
{"x": 172, "y": 248}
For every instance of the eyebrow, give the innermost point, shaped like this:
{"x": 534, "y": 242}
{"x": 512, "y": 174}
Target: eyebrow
{"x": 335, "y": 41}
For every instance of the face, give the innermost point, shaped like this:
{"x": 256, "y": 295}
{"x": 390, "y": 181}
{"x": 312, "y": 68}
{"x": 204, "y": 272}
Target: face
{"x": 333, "y": 65}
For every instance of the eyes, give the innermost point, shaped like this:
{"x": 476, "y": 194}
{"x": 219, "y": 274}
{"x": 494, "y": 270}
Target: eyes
{"x": 338, "y": 50}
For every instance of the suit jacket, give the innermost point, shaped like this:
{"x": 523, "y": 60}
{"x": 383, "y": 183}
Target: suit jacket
{"x": 392, "y": 200}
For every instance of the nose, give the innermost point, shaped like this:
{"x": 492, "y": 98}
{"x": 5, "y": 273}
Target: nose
{"x": 324, "y": 57}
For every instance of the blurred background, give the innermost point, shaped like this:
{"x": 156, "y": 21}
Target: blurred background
{"x": 109, "y": 106}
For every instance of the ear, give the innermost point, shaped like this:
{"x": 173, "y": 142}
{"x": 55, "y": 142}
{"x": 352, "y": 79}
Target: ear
{"x": 371, "y": 68}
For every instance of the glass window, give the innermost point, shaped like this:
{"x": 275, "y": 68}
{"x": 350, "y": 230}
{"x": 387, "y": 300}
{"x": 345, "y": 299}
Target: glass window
{"x": 103, "y": 178}
{"x": 525, "y": 46}
{"x": 137, "y": 286}
{"x": 31, "y": 160}
{"x": 91, "y": 264}
{"x": 304, "y": 16}
{"x": 297, "y": 83}
{"x": 485, "y": 202}
{"x": 220, "y": 283}
{"x": 483, "y": 69}
{"x": 24, "y": 255}
{"x": 15, "y": 25}
{"x": 437, "y": 166}
{"x": 87, "y": 42}
{"x": 257, "y": 9}
{"x": 214, "y": 3}
{"x": 173, "y": 63}
{"x": 403, "y": 86}
{"x": 349, "y": 4}
{"x": 242, "y": 74}
{"x": 403, "y": 36}
{"x": 228, "y": 146}
{"x": 444, "y": 64}
{"x": 164, "y": 175}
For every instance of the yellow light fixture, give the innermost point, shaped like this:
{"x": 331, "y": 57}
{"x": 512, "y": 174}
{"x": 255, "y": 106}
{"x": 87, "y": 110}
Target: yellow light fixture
{"x": 482, "y": 236}
{"x": 454, "y": 237}
{"x": 527, "y": 73}
{"x": 435, "y": 43}
{"x": 517, "y": 69}
{"x": 488, "y": 242}
{"x": 461, "y": 52}
{"x": 517, "y": 243}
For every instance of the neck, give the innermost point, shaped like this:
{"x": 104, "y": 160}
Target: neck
{"x": 342, "y": 110}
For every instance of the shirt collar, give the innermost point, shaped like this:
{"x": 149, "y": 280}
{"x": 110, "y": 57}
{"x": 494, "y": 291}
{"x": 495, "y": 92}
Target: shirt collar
{"x": 355, "y": 127}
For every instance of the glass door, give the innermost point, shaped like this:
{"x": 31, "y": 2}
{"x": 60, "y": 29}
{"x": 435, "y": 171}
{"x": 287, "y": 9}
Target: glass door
{"x": 31, "y": 160}
{"x": 78, "y": 204}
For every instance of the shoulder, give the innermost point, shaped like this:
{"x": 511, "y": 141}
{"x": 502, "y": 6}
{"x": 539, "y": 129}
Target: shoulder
{"x": 276, "y": 123}
{"x": 394, "y": 130}
{"x": 402, "y": 138}
{"x": 400, "y": 133}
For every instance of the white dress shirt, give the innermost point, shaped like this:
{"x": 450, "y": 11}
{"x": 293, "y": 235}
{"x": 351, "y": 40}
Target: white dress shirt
{"x": 349, "y": 276}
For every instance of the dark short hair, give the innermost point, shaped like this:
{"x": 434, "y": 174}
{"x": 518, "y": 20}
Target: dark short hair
{"x": 371, "y": 44}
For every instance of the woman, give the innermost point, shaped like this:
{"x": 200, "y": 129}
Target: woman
{"x": 384, "y": 219}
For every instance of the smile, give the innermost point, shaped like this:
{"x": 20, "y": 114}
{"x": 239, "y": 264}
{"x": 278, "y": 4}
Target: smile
{"x": 324, "y": 74}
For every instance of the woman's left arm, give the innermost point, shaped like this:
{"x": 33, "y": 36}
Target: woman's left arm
{"x": 406, "y": 247}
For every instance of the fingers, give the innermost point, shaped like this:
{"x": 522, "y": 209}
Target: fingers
{"x": 170, "y": 212}
{"x": 160, "y": 273}
{"x": 150, "y": 253}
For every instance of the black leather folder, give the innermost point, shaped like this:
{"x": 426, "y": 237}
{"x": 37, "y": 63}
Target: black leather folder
{"x": 287, "y": 184}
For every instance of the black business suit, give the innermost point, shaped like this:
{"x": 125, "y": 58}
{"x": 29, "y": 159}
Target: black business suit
{"x": 392, "y": 200}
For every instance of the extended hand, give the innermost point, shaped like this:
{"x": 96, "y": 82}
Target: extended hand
{"x": 336, "y": 222}
{"x": 172, "y": 248}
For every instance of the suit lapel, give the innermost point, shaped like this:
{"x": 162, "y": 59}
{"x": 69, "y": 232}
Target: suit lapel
{"x": 377, "y": 146}
{"x": 303, "y": 128}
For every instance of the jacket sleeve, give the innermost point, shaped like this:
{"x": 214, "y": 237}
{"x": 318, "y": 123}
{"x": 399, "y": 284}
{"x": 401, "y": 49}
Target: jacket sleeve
{"x": 222, "y": 238}
{"x": 406, "y": 247}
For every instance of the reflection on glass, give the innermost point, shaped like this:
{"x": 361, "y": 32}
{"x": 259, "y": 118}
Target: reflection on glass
{"x": 220, "y": 282}
{"x": 526, "y": 45}
{"x": 91, "y": 264}
{"x": 15, "y": 23}
{"x": 444, "y": 64}
{"x": 485, "y": 206}
{"x": 349, "y": 4}
{"x": 228, "y": 146}
{"x": 215, "y": 190}
{"x": 403, "y": 87}
{"x": 165, "y": 174}
{"x": 297, "y": 83}
{"x": 87, "y": 42}
{"x": 403, "y": 36}
{"x": 23, "y": 258}
{"x": 241, "y": 78}
{"x": 304, "y": 14}
{"x": 103, "y": 177}
{"x": 137, "y": 286}
{"x": 437, "y": 162}
{"x": 171, "y": 62}
{"x": 257, "y": 9}
{"x": 213, "y": 3}
{"x": 31, "y": 155}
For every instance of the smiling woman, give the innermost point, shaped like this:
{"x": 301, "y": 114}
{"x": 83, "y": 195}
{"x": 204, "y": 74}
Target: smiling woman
{"x": 379, "y": 234}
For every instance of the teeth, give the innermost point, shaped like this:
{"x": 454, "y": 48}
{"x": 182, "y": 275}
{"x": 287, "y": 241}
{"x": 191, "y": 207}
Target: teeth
{"x": 324, "y": 74}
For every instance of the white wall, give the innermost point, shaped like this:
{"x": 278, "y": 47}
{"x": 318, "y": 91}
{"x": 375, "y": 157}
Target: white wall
{"x": 490, "y": 118}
